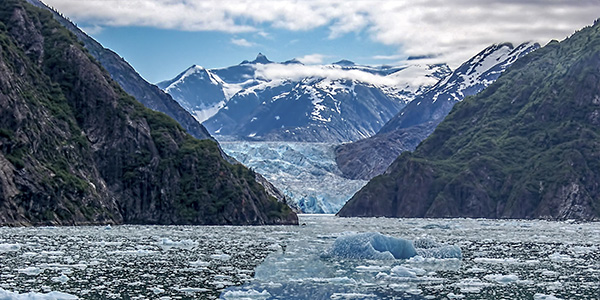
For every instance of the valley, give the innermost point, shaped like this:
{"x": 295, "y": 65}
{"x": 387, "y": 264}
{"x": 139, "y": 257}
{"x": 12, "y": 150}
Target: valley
{"x": 320, "y": 132}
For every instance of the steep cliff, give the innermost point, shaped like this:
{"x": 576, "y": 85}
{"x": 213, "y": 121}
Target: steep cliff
{"x": 76, "y": 149}
{"x": 148, "y": 94}
{"x": 528, "y": 146}
{"x": 367, "y": 158}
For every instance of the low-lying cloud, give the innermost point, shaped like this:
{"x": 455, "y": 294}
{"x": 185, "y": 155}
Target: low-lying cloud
{"x": 413, "y": 75}
{"x": 440, "y": 28}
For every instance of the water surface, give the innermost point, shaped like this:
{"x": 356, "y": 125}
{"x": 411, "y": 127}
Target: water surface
{"x": 501, "y": 259}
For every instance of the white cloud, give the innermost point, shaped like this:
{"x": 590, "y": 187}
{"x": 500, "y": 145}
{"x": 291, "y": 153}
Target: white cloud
{"x": 389, "y": 57}
{"x": 94, "y": 29}
{"x": 413, "y": 75}
{"x": 312, "y": 59}
{"x": 452, "y": 29}
{"x": 242, "y": 43}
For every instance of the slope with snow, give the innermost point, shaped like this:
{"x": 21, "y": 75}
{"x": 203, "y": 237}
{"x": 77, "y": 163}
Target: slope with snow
{"x": 263, "y": 100}
{"x": 367, "y": 158}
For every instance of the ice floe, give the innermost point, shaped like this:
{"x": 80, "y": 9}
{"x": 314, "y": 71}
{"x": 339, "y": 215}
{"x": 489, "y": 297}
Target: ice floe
{"x": 35, "y": 296}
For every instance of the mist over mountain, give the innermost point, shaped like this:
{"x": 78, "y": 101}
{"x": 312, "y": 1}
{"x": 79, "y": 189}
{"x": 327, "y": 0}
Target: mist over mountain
{"x": 261, "y": 100}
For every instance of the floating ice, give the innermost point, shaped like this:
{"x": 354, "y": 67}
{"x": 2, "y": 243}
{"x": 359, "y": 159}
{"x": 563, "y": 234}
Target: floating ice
{"x": 374, "y": 245}
{"x": 223, "y": 257}
{"x": 341, "y": 296}
{"x": 9, "y": 248}
{"x": 62, "y": 278}
{"x": 199, "y": 263}
{"x": 36, "y": 296}
{"x": 191, "y": 290}
{"x": 31, "y": 271}
{"x": 167, "y": 244}
{"x": 371, "y": 245}
{"x": 455, "y": 296}
{"x": 401, "y": 271}
{"x": 249, "y": 295}
{"x": 487, "y": 260}
{"x": 548, "y": 273}
{"x": 471, "y": 285}
{"x": 557, "y": 257}
{"x": 499, "y": 278}
{"x": 545, "y": 297}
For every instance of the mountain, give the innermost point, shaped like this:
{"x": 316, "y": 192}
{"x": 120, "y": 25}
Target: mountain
{"x": 148, "y": 94}
{"x": 76, "y": 149}
{"x": 203, "y": 95}
{"x": 528, "y": 146}
{"x": 367, "y": 158}
{"x": 261, "y": 100}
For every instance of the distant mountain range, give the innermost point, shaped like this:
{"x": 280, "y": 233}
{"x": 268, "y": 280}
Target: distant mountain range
{"x": 528, "y": 146}
{"x": 266, "y": 102}
{"x": 369, "y": 157}
{"x": 261, "y": 100}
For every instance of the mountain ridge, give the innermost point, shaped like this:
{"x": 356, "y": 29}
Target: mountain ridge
{"x": 340, "y": 102}
{"x": 364, "y": 159}
{"x": 122, "y": 72}
{"x": 525, "y": 147}
{"x": 76, "y": 149}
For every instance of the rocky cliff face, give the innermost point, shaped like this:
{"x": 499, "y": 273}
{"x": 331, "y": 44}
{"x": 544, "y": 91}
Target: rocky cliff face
{"x": 526, "y": 147}
{"x": 367, "y": 158}
{"x": 76, "y": 149}
{"x": 148, "y": 94}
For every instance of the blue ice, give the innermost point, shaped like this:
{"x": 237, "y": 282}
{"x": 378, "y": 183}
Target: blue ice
{"x": 374, "y": 245}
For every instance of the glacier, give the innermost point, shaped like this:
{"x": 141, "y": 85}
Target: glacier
{"x": 306, "y": 173}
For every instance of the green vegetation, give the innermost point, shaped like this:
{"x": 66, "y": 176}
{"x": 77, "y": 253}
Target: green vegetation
{"x": 84, "y": 142}
{"x": 519, "y": 148}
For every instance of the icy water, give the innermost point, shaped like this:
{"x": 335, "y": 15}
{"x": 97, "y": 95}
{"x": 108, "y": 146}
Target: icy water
{"x": 500, "y": 260}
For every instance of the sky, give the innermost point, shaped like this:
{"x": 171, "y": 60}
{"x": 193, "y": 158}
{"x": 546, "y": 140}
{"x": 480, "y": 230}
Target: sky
{"x": 161, "y": 38}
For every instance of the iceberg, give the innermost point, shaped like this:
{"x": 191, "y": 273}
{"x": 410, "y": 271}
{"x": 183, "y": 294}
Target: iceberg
{"x": 9, "y": 248}
{"x": 4, "y": 294}
{"x": 374, "y": 245}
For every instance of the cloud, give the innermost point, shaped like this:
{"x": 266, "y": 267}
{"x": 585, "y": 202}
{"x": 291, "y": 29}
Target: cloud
{"x": 312, "y": 59}
{"x": 389, "y": 57}
{"x": 413, "y": 75}
{"x": 452, "y": 30}
{"x": 94, "y": 29}
{"x": 242, "y": 43}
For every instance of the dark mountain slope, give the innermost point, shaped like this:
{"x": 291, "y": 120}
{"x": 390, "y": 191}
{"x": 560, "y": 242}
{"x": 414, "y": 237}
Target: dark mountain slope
{"x": 526, "y": 147}
{"x": 367, "y": 158}
{"x": 148, "y": 94}
{"x": 76, "y": 149}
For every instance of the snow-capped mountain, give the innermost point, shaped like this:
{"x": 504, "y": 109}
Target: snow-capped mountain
{"x": 469, "y": 79}
{"x": 263, "y": 100}
{"x": 367, "y": 158}
{"x": 202, "y": 105}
